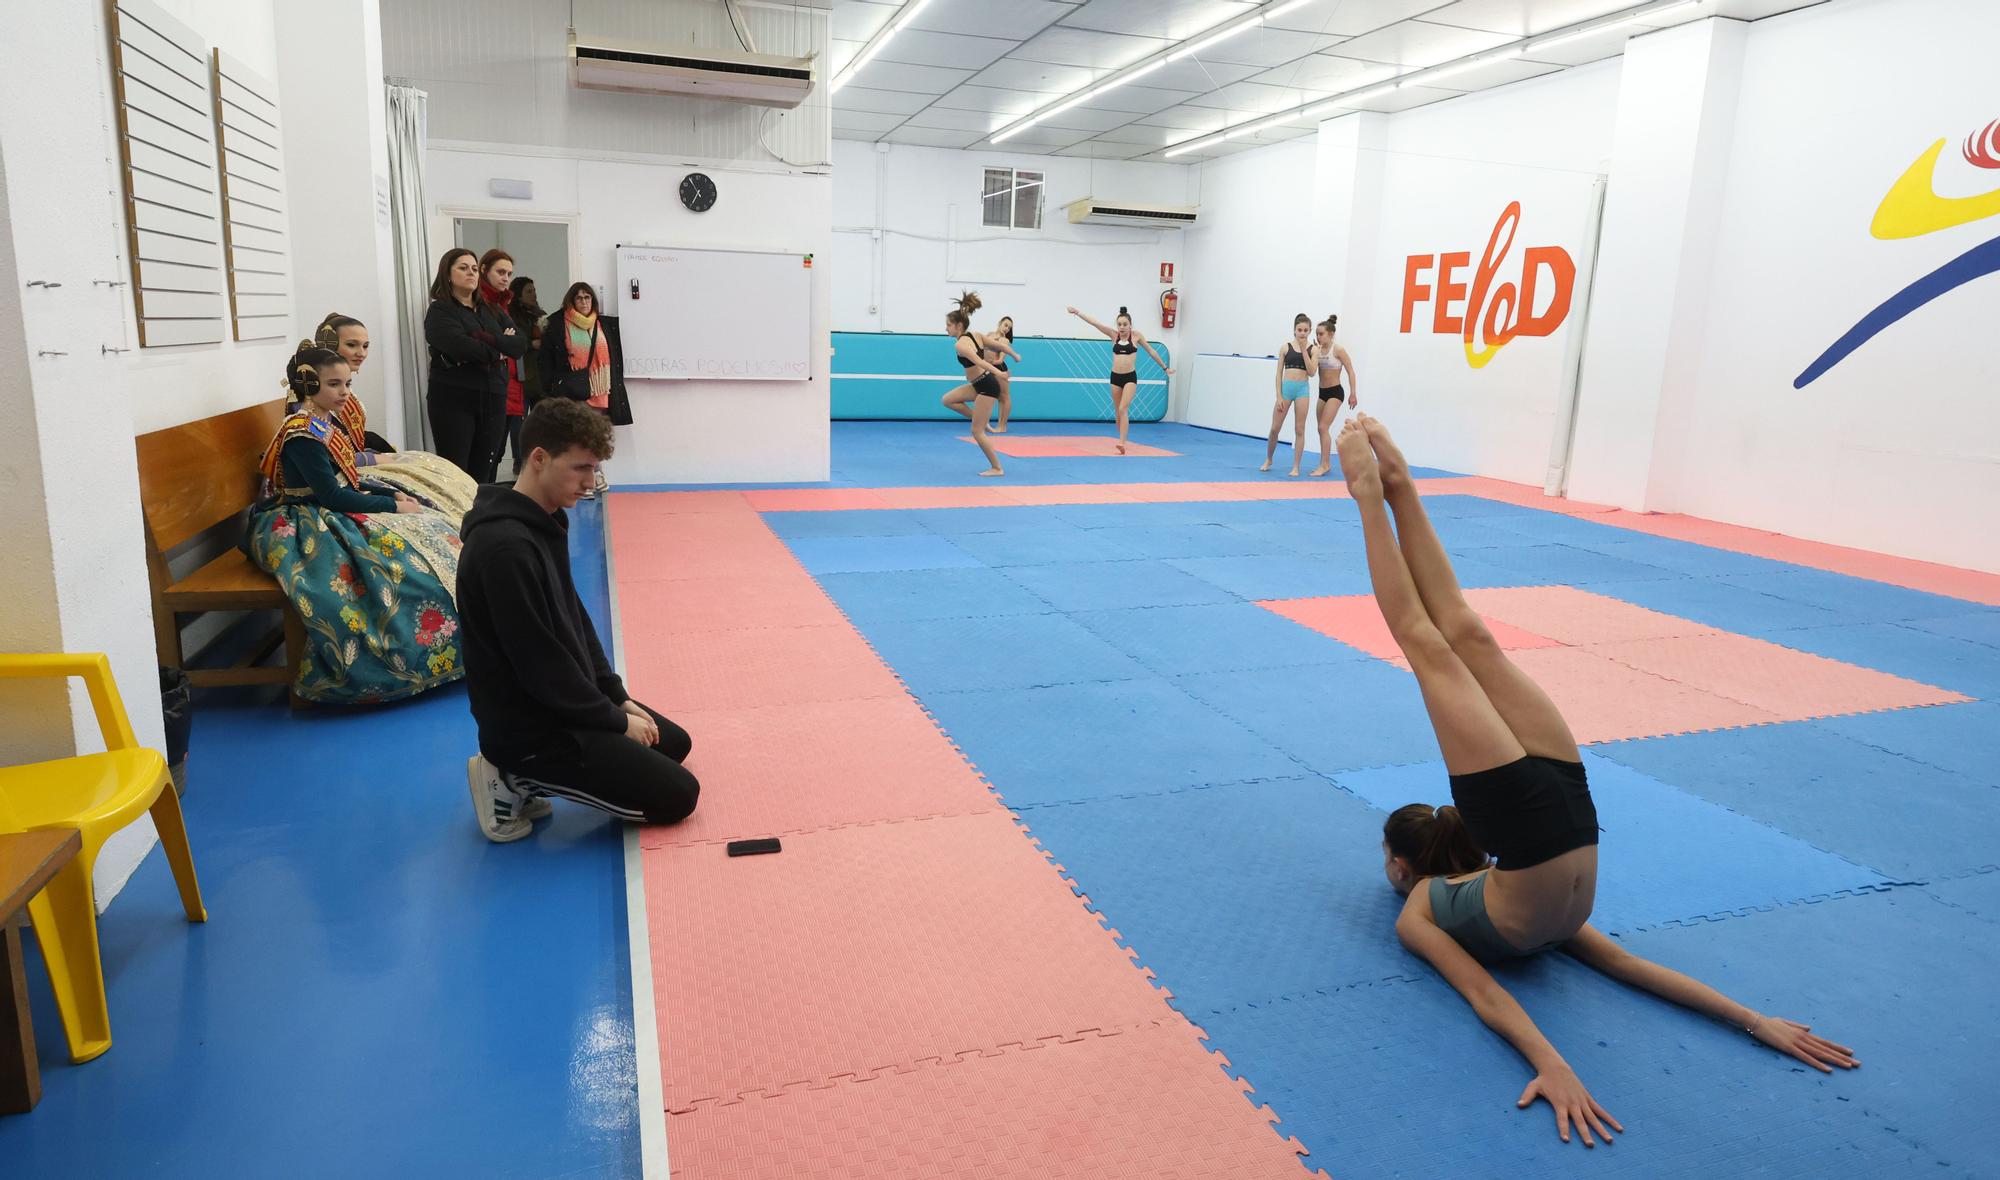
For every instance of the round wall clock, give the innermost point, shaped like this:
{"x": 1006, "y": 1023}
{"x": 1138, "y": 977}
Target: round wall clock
{"x": 697, "y": 192}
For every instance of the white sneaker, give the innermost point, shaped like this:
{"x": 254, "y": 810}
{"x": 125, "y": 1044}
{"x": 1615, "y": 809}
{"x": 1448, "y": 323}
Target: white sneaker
{"x": 533, "y": 807}
{"x": 495, "y": 804}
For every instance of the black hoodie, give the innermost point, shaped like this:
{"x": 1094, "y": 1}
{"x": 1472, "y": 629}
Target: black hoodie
{"x": 533, "y": 666}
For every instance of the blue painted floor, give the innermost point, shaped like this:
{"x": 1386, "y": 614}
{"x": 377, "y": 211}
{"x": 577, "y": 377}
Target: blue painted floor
{"x": 378, "y": 991}
{"x": 1214, "y": 779}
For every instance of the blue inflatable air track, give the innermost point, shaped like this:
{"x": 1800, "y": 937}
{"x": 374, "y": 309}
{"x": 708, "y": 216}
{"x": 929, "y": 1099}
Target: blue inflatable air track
{"x": 898, "y": 375}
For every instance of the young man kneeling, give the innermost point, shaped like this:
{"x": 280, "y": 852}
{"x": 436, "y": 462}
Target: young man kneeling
{"x": 554, "y": 719}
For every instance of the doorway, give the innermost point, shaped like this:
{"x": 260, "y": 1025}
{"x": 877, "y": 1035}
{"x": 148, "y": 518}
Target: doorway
{"x": 540, "y": 250}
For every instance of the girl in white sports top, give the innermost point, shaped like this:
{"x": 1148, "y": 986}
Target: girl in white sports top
{"x": 1333, "y": 361}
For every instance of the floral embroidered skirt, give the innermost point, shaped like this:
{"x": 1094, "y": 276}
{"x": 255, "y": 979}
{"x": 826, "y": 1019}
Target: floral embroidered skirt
{"x": 435, "y": 481}
{"x": 380, "y": 621}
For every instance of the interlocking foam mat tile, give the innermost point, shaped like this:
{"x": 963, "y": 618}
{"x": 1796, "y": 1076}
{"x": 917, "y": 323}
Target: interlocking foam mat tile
{"x": 744, "y": 669}
{"x": 1327, "y": 717}
{"x": 662, "y": 560}
{"x": 1983, "y": 627}
{"x": 1257, "y": 579}
{"x": 1550, "y": 527}
{"x": 1320, "y": 538}
{"x": 792, "y": 526}
{"x": 1665, "y": 854}
{"x": 930, "y": 594}
{"x": 634, "y": 505}
{"x": 1572, "y": 616}
{"x": 1185, "y": 540}
{"x": 1571, "y": 564}
{"x": 1901, "y": 817}
{"x": 1975, "y": 893}
{"x": 1729, "y": 608}
{"x": 1794, "y": 685}
{"x": 789, "y": 768}
{"x": 1401, "y": 1080}
{"x": 1970, "y": 668}
{"x": 1451, "y": 505}
{"x": 1226, "y": 637}
{"x": 1356, "y": 621}
{"x": 1084, "y": 446}
{"x": 874, "y": 946}
{"x": 953, "y": 522}
{"x": 1089, "y": 585}
{"x": 1239, "y": 894}
{"x": 1866, "y": 972}
{"x": 1852, "y": 598}
{"x": 1604, "y": 700}
{"x": 861, "y": 555}
{"x": 725, "y": 604}
{"x": 1145, "y": 1103}
{"x": 1012, "y": 651}
{"x": 1960, "y": 738}
{"x": 1086, "y": 741}
{"x": 1050, "y": 543}
{"x": 1101, "y": 516}
{"x": 1683, "y": 557}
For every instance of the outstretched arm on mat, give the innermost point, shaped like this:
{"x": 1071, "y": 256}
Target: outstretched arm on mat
{"x": 1594, "y": 949}
{"x": 1554, "y": 1080}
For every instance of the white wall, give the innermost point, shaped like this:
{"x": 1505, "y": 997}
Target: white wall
{"x": 926, "y": 202}
{"x": 1896, "y": 449}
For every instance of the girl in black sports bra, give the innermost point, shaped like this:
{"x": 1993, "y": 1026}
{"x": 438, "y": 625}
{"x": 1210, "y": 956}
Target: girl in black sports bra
{"x": 995, "y": 348}
{"x": 1519, "y": 792}
{"x": 1126, "y": 342}
{"x": 982, "y": 380}
{"x": 1333, "y": 361}
{"x": 1296, "y": 357}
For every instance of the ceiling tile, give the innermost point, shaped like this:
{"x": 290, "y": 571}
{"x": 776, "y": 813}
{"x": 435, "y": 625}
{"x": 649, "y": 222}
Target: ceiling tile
{"x": 947, "y": 119}
{"x": 868, "y": 122}
{"x": 1097, "y": 149}
{"x": 1015, "y": 74}
{"x": 1044, "y": 136}
{"x": 1495, "y": 73}
{"x": 1351, "y": 18}
{"x": 1407, "y": 97}
{"x": 950, "y": 50}
{"x": 1584, "y": 50}
{"x": 1088, "y": 47}
{"x": 857, "y": 21}
{"x": 1173, "y": 19}
{"x": 1012, "y": 103}
{"x": 1416, "y": 44}
{"x": 842, "y": 52}
{"x": 1521, "y": 18}
{"x": 1198, "y": 75}
{"x": 1265, "y": 48}
{"x": 1085, "y": 119}
{"x": 888, "y": 102}
{"x": 933, "y": 137}
{"x": 1741, "y": 9}
{"x": 1188, "y": 118}
{"x": 991, "y": 18}
{"x": 1323, "y": 71}
{"x": 1255, "y": 98}
{"x": 896, "y": 75}
{"x": 1137, "y": 100}
{"x": 1151, "y": 137}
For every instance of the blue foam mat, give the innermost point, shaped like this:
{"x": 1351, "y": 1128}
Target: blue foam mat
{"x": 1329, "y": 718}
{"x": 1320, "y": 539}
{"x": 878, "y": 523}
{"x": 1572, "y": 565}
{"x": 1853, "y": 599}
{"x": 1011, "y": 651}
{"x": 854, "y": 555}
{"x": 1901, "y": 817}
{"x": 1187, "y": 540}
{"x": 1048, "y": 544}
{"x": 1983, "y": 627}
{"x": 975, "y": 592}
{"x": 1237, "y": 894}
{"x": 1975, "y": 893}
{"x": 1956, "y": 664}
{"x": 1093, "y": 585}
{"x": 1731, "y": 608}
{"x": 1260, "y": 579}
{"x": 1961, "y": 738}
{"x": 1683, "y": 557}
{"x": 1665, "y": 855}
{"x": 1090, "y": 741}
{"x": 1224, "y": 637}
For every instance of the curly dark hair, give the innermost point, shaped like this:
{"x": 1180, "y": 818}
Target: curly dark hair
{"x": 556, "y": 424}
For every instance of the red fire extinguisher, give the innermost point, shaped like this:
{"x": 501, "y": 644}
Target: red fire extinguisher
{"x": 1170, "y": 302}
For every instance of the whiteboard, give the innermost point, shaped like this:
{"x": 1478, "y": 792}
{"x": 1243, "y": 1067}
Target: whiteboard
{"x": 715, "y": 315}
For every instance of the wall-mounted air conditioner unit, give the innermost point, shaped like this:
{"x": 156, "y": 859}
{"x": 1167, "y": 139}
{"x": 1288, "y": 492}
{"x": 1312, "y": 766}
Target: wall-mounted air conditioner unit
{"x": 1091, "y": 211}
{"x": 602, "y": 63}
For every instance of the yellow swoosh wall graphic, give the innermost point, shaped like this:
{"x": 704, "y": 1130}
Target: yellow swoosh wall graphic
{"x": 1913, "y": 207}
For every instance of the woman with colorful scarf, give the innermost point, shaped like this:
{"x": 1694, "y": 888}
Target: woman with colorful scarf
{"x": 370, "y": 574}
{"x": 433, "y": 481}
{"x": 576, "y": 358}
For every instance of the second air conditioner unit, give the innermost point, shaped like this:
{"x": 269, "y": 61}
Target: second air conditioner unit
{"x": 602, "y": 63}
{"x": 1092, "y": 211}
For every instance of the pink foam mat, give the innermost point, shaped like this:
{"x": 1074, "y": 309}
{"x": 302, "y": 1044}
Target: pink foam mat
{"x": 674, "y": 607}
{"x": 1356, "y": 621}
{"x": 1147, "y": 1103}
{"x": 1794, "y": 685}
{"x": 1604, "y": 700}
{"x": 752, "y": 667}
{"x": 1062, "y": 446}
{"x": 867, "y": 947}
{"x": 773, "y": 770}
{"x": 1569, "y": 615}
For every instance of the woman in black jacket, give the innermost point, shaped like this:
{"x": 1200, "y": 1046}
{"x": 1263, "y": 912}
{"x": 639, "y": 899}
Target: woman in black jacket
{"x": 469, "y": 339}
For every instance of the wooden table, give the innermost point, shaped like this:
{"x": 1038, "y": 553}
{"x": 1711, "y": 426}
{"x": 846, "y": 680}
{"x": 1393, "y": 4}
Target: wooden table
{"x": 27, "y": 862}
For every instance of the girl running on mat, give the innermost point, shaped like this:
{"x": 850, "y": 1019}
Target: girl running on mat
{"x": 1518, "y": 784}
{"x": 1295, "y": 360}
{"x": 1333, "y": 360}
{"x": 996, "y": 348}
{"x": 982, "y": 380}
{"x": 1126, "y": 341}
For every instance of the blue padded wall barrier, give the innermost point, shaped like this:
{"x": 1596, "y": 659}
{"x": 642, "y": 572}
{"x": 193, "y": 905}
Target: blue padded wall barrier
{"x": 900, "y": 375}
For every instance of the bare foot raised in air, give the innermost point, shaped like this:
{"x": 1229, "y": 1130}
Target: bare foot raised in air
{"x": 1389, "y": 457}
{"x": 1357, "y": 462}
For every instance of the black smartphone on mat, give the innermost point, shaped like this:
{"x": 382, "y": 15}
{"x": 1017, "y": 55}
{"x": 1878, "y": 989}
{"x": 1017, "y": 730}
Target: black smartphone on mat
{"x": 753, "y": 847}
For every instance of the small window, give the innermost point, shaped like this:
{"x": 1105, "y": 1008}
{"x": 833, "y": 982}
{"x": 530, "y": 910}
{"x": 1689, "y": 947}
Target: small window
{"x": 1011, "y": 199}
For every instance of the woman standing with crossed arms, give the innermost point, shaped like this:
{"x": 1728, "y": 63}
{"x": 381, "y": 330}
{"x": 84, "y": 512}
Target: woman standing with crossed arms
{"x": 1125, "y": 345}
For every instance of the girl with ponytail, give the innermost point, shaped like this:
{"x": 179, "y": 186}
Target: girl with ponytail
{"x": 1519, "y": 792}
{"x": 1333, "y": 361}
{"x": 982, "y": 380}
{"x": 1126, "y": 341}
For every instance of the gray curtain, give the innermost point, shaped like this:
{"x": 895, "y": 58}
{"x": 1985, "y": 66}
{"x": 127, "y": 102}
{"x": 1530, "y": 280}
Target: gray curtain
{"x": 409, "y": 225}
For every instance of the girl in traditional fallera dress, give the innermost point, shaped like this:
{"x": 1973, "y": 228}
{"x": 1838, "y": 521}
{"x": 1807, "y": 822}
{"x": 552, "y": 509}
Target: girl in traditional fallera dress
{"x": 364, "y": 570}
{"x": 431, "y": 479}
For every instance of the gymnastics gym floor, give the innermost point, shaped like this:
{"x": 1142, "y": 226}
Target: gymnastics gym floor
{"x": 1080, "y": 776}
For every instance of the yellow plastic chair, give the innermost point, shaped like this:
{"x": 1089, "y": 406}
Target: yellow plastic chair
{"x": 97, "y": 794}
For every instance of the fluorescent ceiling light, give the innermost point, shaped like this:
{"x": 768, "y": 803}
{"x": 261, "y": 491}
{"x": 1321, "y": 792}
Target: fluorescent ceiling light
{"x": 1533, "y": 44}
{"x": 1213, "y": 40}
{"x": 1282, "y": 9}
{"x": 1193, "y": 145}
{"x": 1436, "y": 73}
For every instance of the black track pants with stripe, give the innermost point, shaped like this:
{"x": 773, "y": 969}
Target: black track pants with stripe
{"x": 613, "y": 773}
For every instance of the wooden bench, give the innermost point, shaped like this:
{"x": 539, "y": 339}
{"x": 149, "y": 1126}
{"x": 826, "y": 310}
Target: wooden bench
{"x": 193, "y": 477}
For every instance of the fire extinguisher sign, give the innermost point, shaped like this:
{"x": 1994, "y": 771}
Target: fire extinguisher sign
{"x": 1166, "y": 272}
